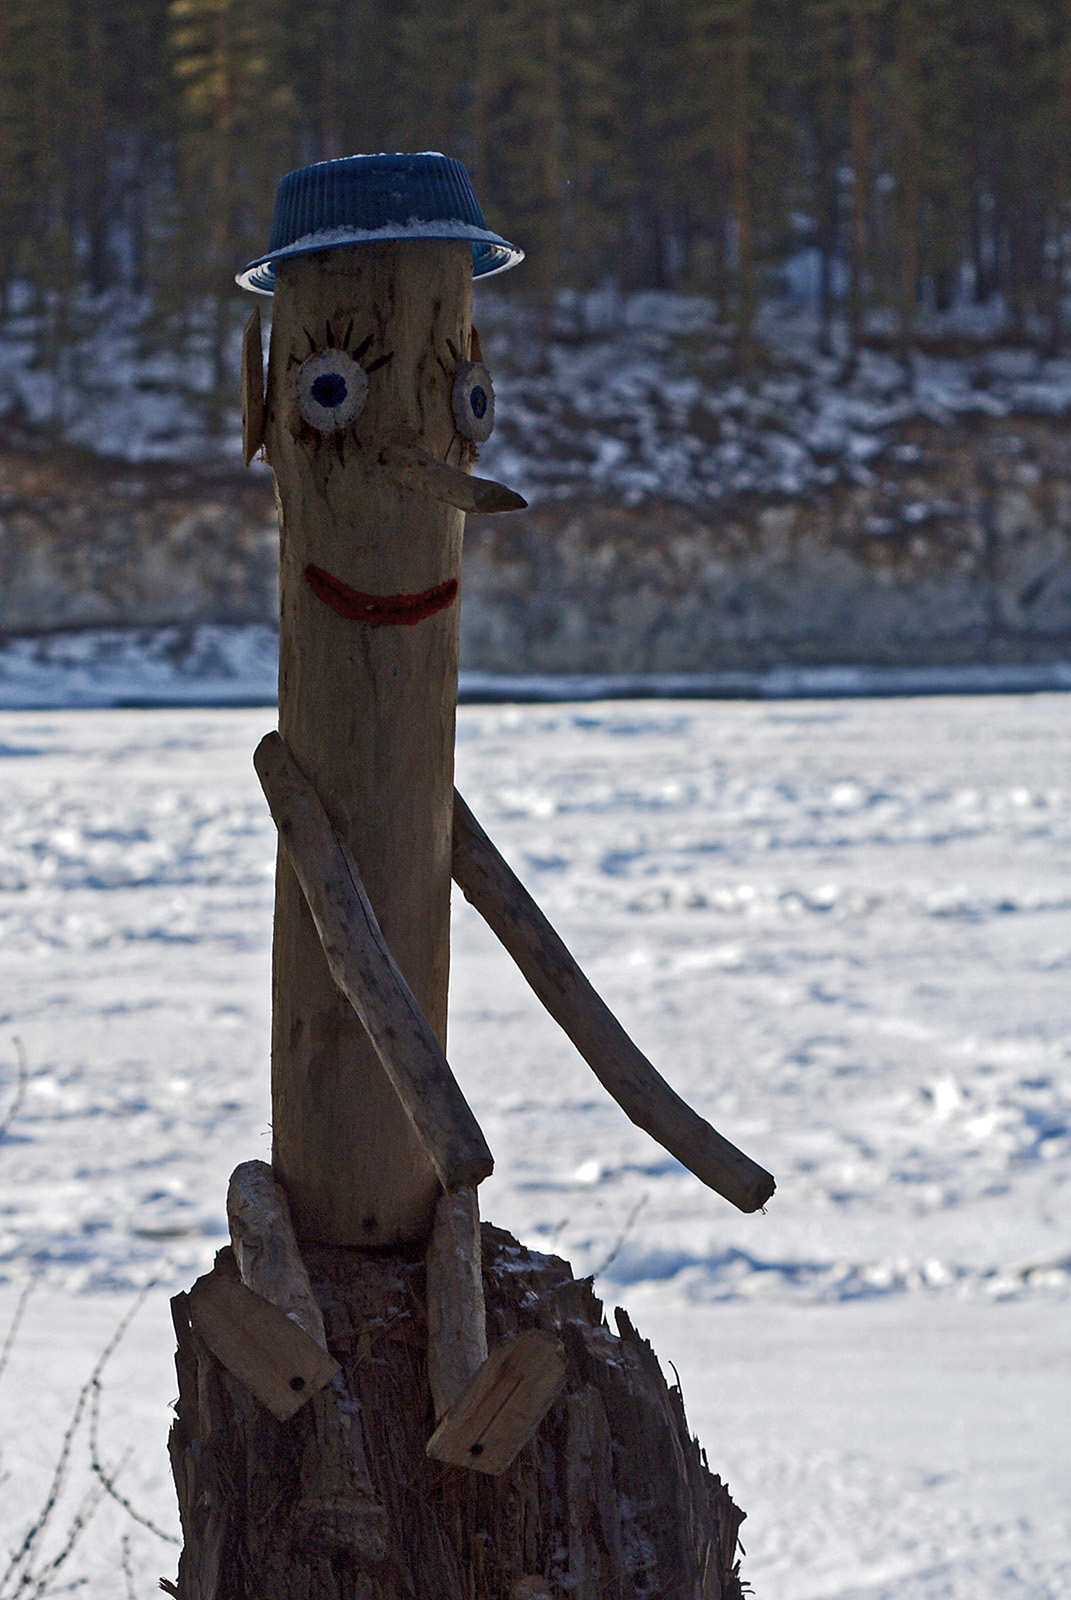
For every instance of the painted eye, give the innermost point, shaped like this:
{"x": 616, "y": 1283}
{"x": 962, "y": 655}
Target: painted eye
{"x": 473, "y": 401}
{"x": 332, "y": 390}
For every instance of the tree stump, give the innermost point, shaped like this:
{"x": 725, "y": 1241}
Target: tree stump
{"x": 611, "y": 1499}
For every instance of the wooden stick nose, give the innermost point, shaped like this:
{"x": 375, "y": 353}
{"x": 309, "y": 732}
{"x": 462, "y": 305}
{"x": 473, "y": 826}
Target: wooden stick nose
{"x": 415, "y": 468}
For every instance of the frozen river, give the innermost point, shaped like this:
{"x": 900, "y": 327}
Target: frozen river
{"x": 841, "y": 929}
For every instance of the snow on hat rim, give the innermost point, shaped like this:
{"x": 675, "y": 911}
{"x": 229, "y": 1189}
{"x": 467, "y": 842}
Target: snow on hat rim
{"x": 376, "y": 199}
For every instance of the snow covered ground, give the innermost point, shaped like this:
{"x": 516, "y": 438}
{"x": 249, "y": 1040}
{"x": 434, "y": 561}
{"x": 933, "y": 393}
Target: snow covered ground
{"x": 237, "y": 664}
{"x": 841, "y": 928}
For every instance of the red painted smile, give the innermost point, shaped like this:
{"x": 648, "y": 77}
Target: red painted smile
{"x": 379, "y": 610}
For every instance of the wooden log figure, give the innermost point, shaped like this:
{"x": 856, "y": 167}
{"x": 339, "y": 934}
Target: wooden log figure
{"x": 379, "y": 1396}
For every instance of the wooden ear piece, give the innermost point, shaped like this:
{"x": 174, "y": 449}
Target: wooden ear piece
{"x": 473, "y": 402}
{"x": 252, "y": 388}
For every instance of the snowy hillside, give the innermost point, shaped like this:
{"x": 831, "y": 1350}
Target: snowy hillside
{"x": 842, "y": 929}
{"x": 630, "y": 395}
{"x": 626, "y": 395}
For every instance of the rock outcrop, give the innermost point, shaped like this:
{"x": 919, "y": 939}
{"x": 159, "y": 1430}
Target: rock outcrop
{"x": 953, "y": 546}
{"x": 89, "y": 542}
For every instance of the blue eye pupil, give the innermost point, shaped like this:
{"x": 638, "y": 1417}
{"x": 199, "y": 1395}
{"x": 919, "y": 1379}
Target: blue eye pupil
{"x": 329, "y": 389}
{"x": 478, "y": 402}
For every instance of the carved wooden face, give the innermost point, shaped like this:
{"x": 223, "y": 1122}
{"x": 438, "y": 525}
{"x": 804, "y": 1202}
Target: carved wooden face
{"x": 361, "y": 366}
{"x": 378, "y": 400}
{"x": 373, "y": 414}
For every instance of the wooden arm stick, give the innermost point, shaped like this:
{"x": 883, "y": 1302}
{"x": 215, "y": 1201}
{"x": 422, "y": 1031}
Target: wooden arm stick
{"x": 509, "y": 910}
{"x": 265, "y": 1248}
{"x": 368, "y": 975}
{"x": 457, "y": 1318}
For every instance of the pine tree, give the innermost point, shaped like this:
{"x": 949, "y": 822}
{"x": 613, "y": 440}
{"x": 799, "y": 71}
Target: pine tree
{"x": 904, "y": 81}
{"x": 16, "y": 141}
{"x": 132, "y": 93}
{"x": 860, "y": 111}
{"x": 342, "y": 67}
{"x": 236, "y": 124}
{"x": 819, "y": 89}
{"x": 1061, "y": 207}
{"x": 668, "y": 143}
{"x": 37, "y": 96}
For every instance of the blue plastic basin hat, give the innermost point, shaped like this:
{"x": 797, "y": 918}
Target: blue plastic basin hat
{"x": 372, "y": 199}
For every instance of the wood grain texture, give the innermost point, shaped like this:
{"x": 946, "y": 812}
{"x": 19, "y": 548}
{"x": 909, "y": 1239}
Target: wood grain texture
{"x": 258, "y": 1344}
{"x": 262, "y": 1238}
{"x": 610, "y": 1500}
{"x": 503, "y": 1404}
{"x": 367, "y": 974}
{"x": 368, "y": 714}
{"x": 252, "y": 387}
{"x": 457, "y": 1319}
{"x": 646, "y": 1098}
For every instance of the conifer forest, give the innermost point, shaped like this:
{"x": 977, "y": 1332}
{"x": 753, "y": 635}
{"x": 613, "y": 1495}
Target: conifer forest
{"x": 916, "y": 152}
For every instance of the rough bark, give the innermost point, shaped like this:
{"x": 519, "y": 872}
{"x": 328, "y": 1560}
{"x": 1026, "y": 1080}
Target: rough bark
{"x": 611, "y": 1498}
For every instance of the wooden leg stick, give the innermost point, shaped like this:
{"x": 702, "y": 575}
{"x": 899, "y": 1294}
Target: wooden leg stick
{"x": 496, "y": 1415}
{"x": 265, "y": 1248}
{"x": 642, "y": 1093}
{"x": 368, "y": 975}
{"x": 457, "y": 1322}
{"x": 486, "y": 1406}
{"x": 337, "y": 1507}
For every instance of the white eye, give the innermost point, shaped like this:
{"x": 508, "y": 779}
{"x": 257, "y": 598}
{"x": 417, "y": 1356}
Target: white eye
{"x": 473, "y": 401}
{"x": 332, "y": 390}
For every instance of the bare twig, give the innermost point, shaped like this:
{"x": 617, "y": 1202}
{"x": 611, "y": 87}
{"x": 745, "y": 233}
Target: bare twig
{"x": 622, "y": 1236}
{"x": 107, "y": 1480}
{"x": 24, "y": 1554}
{"x": 128, "y": 1571}
{"x": 20, "y": 1087}
{"x": 40, "y": 1581}
{"x": 16, "y": 1322}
